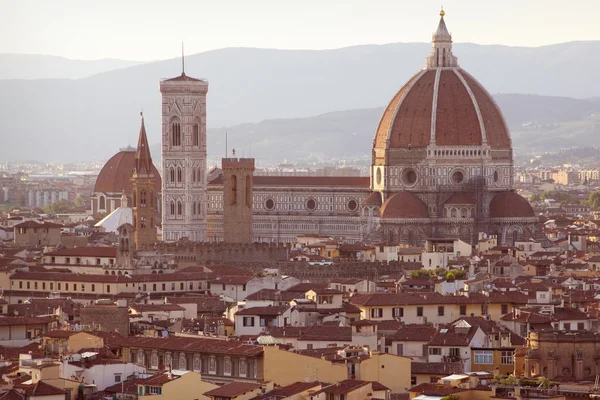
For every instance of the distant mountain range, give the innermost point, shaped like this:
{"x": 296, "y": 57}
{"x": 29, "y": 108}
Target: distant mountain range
{"x": 34, "y": 66}
{"x": 90, "y": 118}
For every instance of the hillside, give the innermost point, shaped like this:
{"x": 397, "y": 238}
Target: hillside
{"x": 58, "y": 119}
{"x": 35, "y": 66}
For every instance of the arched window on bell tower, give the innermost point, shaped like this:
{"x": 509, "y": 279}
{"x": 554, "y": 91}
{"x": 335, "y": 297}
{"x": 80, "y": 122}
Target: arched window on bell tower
{"x": 179, "y": 208}
{"x": 172, "y": 208}
{"x": 143, "y": 198}
{"x": 196, "y": 135}
{"x": 172, "y": 174}
{"x": 194, "y": 175}
{"x": 233, "y": 190}
{"x": 176, "y": 133}
{"x": 194, "y": 208}
{"x": 179, "y": 175}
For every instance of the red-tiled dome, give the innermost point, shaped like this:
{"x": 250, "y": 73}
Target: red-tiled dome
{"x": 374, "y": 199}
{"x": 115, "y": 176}
{"x": 463, "y": 113}
{"x": 510, "y": 205}
{"x": 404, "y": 205}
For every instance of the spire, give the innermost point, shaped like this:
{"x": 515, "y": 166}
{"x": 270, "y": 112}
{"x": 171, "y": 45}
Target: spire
{"x": 182, "y": 60}
{"x": 143, "y": 159}
{"x": 441, "y": 43}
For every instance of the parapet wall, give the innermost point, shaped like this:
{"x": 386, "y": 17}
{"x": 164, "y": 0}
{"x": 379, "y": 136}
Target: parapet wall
{"x": 223, "y": 252}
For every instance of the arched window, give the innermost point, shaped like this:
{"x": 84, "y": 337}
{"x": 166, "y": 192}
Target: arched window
{"x": 172, "y": 173}
{"x": 515, "y": 237}
{"x": 453, "y": 213}
{"x": 196, "y": 135}
{"x": 199, "y": 175}
{"x": 176, "y": 134}
{"x": 102, "y": 203}
{"x": 248, "y": 191}
{"x": 179, "y": 175}
{"x": 179, "y": 208}
{"x": 172, "y": 208}
{"x": 464, "y": 213}
{"x": 193, "y": 174}
{"x": 143, "y": 222}
{"x": 143, "y": 198}
{"x": 194, "y": 208}
{"x": 233, "y": 189}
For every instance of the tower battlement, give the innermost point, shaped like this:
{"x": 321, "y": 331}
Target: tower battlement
{"x": 237, "y": 163}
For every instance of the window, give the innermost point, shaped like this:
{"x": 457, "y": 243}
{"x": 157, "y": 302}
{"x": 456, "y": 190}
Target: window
{"x": 154, "y": 287}
{"x": 309, "y": 346}
{"x": 507, "y": 357}
{"x": 179, "y": 208}
{"x": 20, "y": 284}
{"x": 172, "y": 285}
{"x": 463, "y": 310}
{"x": 51, "y": 285}
{"x": 35, "y": 285}
{"x": 248, "y": 321}
{"x": 179, "y": 175}
{"x": 580, "y": 326}
{"x": 484, "y": 357}
{"x": 413, "y": 381}
{"x": 93, "y": 287}
{"x": 454, "y": 352}
{"x": 224, "y": 286}
{"x": 83, "y": 287}
{"x": 66, "y": 286}
{"x": 172, "y": 208}
{"x": 424, "y": 354}
{"x": 397, "y": 312}
{"x": 164, "y": 287}
{"x": 484, "y": 309}
{"x": 440, "y": 311}
{"x": 419, "y": 311}
{"x": 233, "y": 190}
{"x": 504, "y": 308}
{"x": 376, "y": 312}
{"x": 196, "y": 135}
{"x": 58, "y": 285}
{"x": 263, "y": 322}
{"x": 117, "y": 378}
{"x": 172, "y": 175}
{"x": 400, "y": 349}
{"x": 102, "y": 203}
{"x": 107, "y": 288}
{"x": 435, "y": 351}
{"x": 567, "y": 326}
{"x": 181, "y": 286}
{"x": 176, "y": 134}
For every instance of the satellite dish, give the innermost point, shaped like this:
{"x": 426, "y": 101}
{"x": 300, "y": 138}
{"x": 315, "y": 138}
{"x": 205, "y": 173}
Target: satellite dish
{"x": 513, "y": 281}
{"x": 489, "y": 286}
{"x": 305, "y": 379}
{"x": 483, "y": 381}
{"x": 3, "y": 376}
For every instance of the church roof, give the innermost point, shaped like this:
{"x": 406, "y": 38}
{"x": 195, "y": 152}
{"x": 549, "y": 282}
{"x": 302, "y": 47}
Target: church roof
{"x": 112, "y": 222}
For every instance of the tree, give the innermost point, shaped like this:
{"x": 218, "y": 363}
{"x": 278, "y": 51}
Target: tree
{"x": 594, "y": 199}
{"x": 535, "y": 198}
{"x": 79, "y": 202}
{"x": 58, "y": 207}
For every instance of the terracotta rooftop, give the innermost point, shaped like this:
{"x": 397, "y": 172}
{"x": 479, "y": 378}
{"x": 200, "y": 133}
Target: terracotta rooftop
{"x": 201, "y": 345}
{"x": 267, "y": 311}
{"x": 233, "y": 389}
{"x": 88, "y": 251}
{"x": 327, "y": 181}
{"x": 510, "y": 205}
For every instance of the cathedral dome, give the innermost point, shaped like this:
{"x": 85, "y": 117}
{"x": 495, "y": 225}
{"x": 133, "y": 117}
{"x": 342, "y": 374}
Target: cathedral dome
{"x": 404, "y": 205}
{"x": 442, "y": 105}
{"x": 115, "y": 176}
{"x": 510, "y": 205}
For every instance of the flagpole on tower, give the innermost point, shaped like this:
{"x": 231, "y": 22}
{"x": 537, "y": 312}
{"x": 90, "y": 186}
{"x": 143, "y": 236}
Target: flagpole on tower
{"x": 182, "y": 60}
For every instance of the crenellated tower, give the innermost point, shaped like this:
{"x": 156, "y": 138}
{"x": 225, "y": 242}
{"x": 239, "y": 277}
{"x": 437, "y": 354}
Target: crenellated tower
{"x": 238, "y": 181}
{"x": 184, "y": 158}
{"x": 144, "y": 198}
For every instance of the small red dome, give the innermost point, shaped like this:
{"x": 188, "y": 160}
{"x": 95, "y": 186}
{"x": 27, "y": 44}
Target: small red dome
{"x": 510, "y": 205}
{"x": 374, "y": 199}
{"x": 115, "y": 176}
{"x": 404, "y": 205}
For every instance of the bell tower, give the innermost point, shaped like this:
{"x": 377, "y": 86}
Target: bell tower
{"x": 237, "y": 199}
{"x": 142, "y": 182}
{"x": 184, "y": 158}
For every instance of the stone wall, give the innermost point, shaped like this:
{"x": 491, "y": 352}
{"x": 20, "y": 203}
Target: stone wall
{"x": 106, "y": 318}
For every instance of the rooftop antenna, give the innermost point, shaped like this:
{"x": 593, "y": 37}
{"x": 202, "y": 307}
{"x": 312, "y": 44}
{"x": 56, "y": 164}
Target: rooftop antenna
{"x": 226, "y": 149}
{"x": 182, "y": 60}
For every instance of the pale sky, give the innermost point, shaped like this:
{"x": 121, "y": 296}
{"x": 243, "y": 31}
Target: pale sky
{"x": 151, "y": 30}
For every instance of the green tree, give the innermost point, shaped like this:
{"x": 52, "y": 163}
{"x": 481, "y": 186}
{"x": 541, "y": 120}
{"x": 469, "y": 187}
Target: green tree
{"x": 535, "y": 198}
{"x": 79, "y": 202}
{"x": 594, "y": 199}
{"x": 58, "y": 207}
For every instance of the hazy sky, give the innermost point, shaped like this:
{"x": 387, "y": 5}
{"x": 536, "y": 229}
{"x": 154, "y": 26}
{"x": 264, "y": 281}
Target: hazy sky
{"x": 150, "y": 29}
